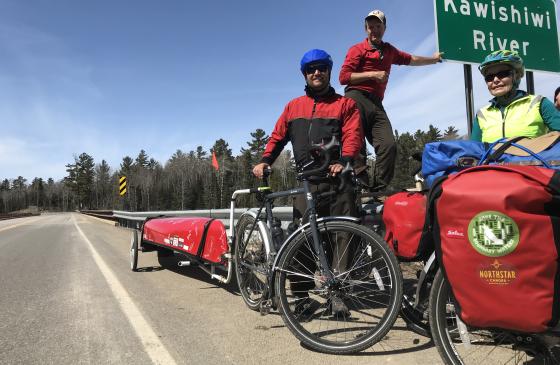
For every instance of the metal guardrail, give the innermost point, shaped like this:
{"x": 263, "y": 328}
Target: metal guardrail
{"x": 135, "y": 219}
{"x": 103, "y": 214}
{"x": 5, "y": 216}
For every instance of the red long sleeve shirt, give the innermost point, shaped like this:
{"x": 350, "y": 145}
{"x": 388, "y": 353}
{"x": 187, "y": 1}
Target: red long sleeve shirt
{"x": 362, "y": 57}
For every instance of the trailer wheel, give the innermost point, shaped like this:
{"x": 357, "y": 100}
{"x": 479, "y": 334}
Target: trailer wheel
{"x": 134, "y": 251}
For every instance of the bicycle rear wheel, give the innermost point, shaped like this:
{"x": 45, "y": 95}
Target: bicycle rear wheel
{"x": 250, "y": 260}
{"x": 370, "y": 289}
{"x": 415, "y": 317}
{"x": 479, "y": 346}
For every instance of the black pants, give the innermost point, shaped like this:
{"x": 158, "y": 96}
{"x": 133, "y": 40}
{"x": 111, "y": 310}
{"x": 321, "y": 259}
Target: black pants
{"x": 379, "y": 133}
{"x": 343, "y": 204}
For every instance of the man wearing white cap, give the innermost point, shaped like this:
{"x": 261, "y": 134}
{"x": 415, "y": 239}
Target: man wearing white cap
{"x": 366, "y": 72}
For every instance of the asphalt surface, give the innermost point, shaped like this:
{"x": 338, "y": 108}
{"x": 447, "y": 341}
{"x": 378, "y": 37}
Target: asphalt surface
{"x": 68, "y": 296}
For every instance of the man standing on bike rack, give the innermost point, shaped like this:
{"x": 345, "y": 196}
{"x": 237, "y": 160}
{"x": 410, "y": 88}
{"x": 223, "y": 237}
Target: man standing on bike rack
{"x": 366, "y": 72}
{"x": 315, "y": 118}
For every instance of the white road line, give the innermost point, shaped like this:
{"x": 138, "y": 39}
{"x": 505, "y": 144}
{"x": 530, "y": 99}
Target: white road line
{"x": 152, "y": 345}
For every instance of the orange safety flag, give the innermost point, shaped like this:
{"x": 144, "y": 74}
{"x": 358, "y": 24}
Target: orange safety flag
{"x": 215, "y": 161}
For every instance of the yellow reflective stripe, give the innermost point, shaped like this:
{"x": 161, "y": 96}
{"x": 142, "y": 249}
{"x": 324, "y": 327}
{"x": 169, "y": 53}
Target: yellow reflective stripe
{"x": 536, "y": 100}
{"x": 480, "y": 116}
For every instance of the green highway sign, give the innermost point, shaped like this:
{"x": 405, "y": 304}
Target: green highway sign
{"x": 468, "y": 30}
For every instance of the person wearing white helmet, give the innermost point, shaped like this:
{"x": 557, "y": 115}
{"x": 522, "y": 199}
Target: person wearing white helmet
{"x": 511, "y": 112}
{"x": 366, "y": 72}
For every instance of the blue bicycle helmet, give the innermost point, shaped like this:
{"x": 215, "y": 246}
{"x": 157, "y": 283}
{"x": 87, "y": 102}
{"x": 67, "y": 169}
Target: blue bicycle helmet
{"x": 317, "y": 56}
{"x": 505, "y": 57}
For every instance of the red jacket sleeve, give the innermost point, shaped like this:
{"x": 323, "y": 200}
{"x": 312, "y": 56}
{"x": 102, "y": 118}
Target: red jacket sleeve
{"x": 400, "y": 57}
{"x": 352, "y": 133}
{"x": 350, "y": 65}
{"x": 278, "y": 139}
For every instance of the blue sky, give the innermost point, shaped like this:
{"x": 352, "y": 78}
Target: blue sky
{"x": 112, "y": 77}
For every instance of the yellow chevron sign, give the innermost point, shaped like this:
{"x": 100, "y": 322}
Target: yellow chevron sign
{"x": 122, "y": 185}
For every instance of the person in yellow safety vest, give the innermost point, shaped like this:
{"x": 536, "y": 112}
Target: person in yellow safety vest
{"x": 512, "y": 112}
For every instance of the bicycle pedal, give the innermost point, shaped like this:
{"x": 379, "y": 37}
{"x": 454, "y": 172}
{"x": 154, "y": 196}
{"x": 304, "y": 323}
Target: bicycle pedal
{"x": 265, "y": 307}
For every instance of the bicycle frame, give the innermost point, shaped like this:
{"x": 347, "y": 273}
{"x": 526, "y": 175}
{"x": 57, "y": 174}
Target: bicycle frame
{"x": 270, "y": 244}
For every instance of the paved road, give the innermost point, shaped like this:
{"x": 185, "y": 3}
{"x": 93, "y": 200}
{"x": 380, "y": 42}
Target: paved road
{"x": 67, "y": 296}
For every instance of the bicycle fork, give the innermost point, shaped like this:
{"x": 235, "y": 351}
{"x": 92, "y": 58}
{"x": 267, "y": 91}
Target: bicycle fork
{"x": 324, "y": 264}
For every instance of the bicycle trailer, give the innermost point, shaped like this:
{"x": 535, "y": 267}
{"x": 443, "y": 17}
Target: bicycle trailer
{"x": 201, "y": 238}
{"x": 196, "y": 240}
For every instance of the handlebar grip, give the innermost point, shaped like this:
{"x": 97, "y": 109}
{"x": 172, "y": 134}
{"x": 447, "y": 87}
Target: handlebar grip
{"x": 267, "y": 171}
{"x": 343, "y": 176}
{"x": 266, "y": 174}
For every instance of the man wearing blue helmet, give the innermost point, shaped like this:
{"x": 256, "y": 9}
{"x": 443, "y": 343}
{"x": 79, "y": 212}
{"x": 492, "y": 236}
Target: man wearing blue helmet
{"x": 512, "y": 112}
{"x": 315, "y": 118}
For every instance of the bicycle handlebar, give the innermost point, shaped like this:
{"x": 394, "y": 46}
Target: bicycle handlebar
{"x": 318, "y": 150}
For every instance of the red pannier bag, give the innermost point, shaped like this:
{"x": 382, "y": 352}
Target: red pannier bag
{"x": 404, "y": 216}
{"x": 497, "y": 238}
{"x": 204, "y": 238}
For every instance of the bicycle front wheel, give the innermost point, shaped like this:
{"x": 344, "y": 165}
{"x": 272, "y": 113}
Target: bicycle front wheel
{"x": 354, "y": 310}
{"x": 251, "y": 261}
{"x": 459, "y": 344}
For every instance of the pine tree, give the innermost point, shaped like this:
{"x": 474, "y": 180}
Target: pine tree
{"x": 257, "y": 144}
{"x": 406, "y": 146}
{"x": 80, "y": 179}
{"x": 102, "y": 185}
{"x": 37, "y": 191}
{"x": 142, "y": 160}
{"x": 451, "y": 133}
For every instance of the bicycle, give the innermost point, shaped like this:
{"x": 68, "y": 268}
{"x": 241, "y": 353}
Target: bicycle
{"x": 417, "y": 274}
{"x": 458, "y": 343}
{"x": 296, "y": 277}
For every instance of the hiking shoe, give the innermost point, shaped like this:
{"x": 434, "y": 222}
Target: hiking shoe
{"x": 338, "y": 308}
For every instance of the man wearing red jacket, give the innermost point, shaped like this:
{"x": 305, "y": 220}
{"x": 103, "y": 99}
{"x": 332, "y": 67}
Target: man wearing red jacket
{"x": 366, "y": 72}
{"x": 313, "y": 119}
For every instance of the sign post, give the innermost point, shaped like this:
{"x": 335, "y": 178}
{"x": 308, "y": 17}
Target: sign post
{"x": 467, "y": 69}
{"x": 468, "y": 30}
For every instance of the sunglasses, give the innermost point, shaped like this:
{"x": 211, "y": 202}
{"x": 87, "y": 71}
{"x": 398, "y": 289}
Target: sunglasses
{"x": 310, "y": 70}
{"x": 499, "y": 74}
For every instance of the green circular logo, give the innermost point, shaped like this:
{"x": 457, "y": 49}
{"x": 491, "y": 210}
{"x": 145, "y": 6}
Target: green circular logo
{"x": 493, "y": 234}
